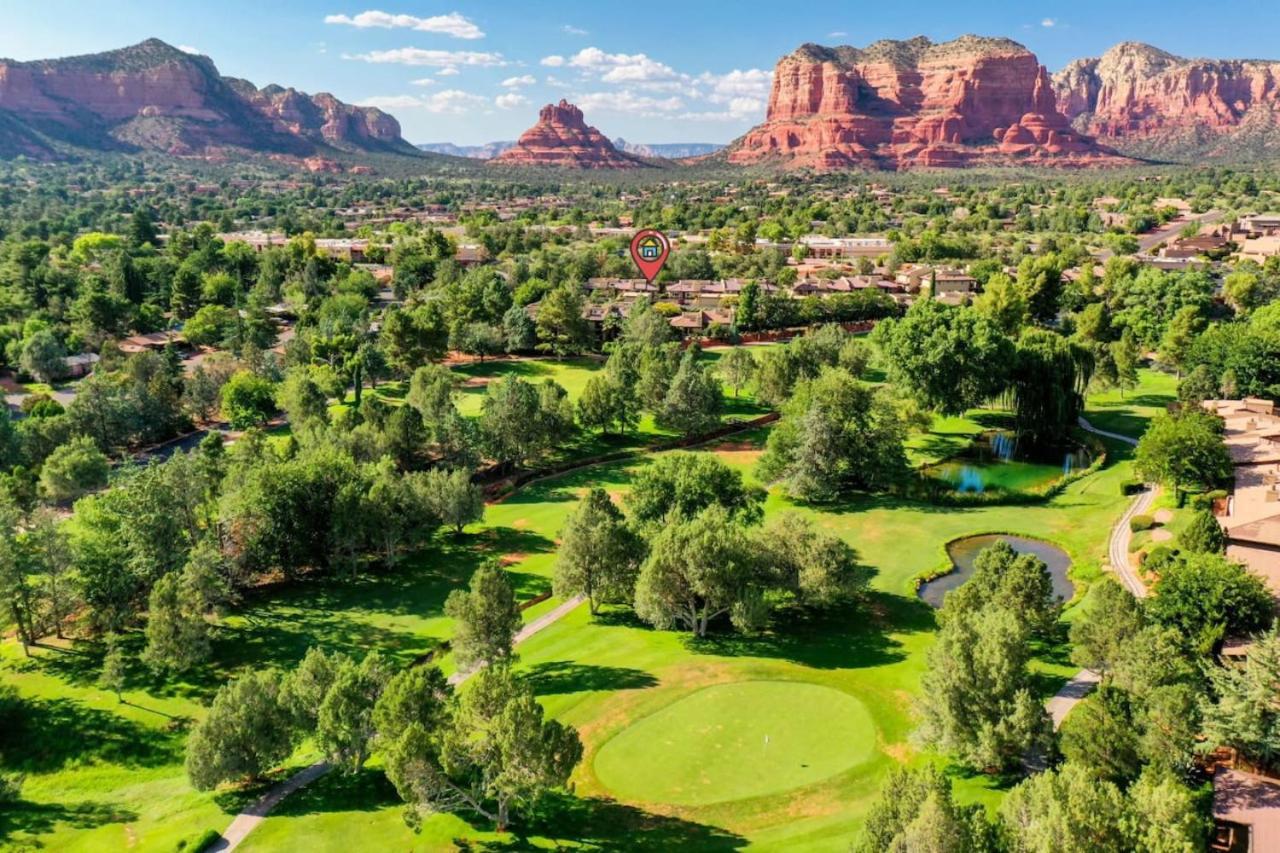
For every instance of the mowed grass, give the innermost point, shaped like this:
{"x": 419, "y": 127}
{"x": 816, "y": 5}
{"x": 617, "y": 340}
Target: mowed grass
{"x": 612, "y": 675}
{"x": 729, "y": 742}
{"x": 1129, "y": 412}
{"x": 601, "y": 675}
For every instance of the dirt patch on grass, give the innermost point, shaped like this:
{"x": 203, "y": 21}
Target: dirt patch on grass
{"x": 736, "y": 446}
{"x": 1161, "y": 536}
{"x": 520, "y": 523}
{"x": 477, "y": 381}
{"x": 899, "y": 752}
{"x": 513, "y": 558}
{"x": 1163, "y": 516}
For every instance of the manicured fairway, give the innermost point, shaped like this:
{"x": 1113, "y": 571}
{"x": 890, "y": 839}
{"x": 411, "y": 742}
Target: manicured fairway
{"x": 849, "y": 677}
{"x": 732, "y": 741}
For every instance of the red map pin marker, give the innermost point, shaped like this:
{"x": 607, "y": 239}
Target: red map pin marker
{"x": 649, "y": 249}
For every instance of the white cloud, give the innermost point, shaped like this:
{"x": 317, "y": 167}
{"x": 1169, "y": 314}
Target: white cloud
{"x": 751, "y": 83}
{"x": 620, "y": 67}
{"x": 570, "y": 29}
{"x": 186, "y": 48}
{"x": 510, "y": 101}
{"x": 423, "y": 81}
{"x": 448, "y": 71}
{"x": 553, "y": 61}
{"x": 1049, "y": 22}
{"x": 452, "y": 24}
{"x": 626, "y": 101}
{"x": 552, "y": 80}
{"x": 737, "y": 109}
{"x": 391, "y": 102}
{"x": 837, "y": 34}
{"x": 452, "y": 101}
{"x": 522, "y": 80}
{"x": 431, "y": 58}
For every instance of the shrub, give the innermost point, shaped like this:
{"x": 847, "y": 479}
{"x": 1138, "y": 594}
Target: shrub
{"x": 199, "y": 843}
{"x": 1205, "y": 500}
{"x": 1141, "y": 522}
{"x": 1131, "y": 487}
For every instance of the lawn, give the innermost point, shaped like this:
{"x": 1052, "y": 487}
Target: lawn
{"x": 833, "y": 693}
{"x": 1129, "y": 412}
{"x": 645, "y": 700}
{"x": 735, "y": 741}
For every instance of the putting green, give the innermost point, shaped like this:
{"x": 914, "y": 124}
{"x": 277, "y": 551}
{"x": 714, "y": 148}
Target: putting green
{"x": 733, "y": 741}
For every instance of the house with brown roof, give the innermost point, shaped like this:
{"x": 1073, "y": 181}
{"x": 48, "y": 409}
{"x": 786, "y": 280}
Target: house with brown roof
{"x": 1251, "y": 432}
{"x": 1194, "y": 247}
{"x": 1246, "y": 812}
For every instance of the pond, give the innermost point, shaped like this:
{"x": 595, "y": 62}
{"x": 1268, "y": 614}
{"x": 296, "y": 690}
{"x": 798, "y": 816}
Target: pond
{"x": 963, "y": 553}
{"x": 992, "y": 462}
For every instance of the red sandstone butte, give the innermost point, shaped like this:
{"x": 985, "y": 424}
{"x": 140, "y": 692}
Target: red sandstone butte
{"x": 1136, "y": 94}
{"x": 153, "y": 96}
{"x": 562, "y": 138}
{"x": 908, "y": 104}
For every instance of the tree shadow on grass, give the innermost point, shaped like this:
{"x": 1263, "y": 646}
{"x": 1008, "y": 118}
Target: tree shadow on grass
{"x": 37, "y": 819}
{"x": 843, "y": 639}
{"x": 560, "y": 676}
{"x": 338, "y": 791}
{"x": 598, "y": 823}
{"x": 50, "y": 734}
{"x": 603, "y": 824}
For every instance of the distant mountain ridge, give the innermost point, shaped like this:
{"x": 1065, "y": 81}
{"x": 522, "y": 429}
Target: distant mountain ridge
{"x": 666, "y": 150}
{"x": 154, "y": 97}
{"x": 475, "y": 152}
{"x": 1149, "y": 102}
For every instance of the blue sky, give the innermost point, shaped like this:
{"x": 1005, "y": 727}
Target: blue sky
{"x": 661, "y": 71}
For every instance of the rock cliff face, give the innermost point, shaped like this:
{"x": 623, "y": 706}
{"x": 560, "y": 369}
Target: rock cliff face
{"x": 905, "y": 104}
{"x": 562, "y": 138}
{"x": 155, "y": 97}
{"x": 1142, "y": 99}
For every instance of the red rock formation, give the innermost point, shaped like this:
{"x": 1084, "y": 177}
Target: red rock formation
{"x": 562, "y": 138}
{"x": 1139, "y": 97}
{"x": 908, "y": 104}
{"x": 153, "y": 96}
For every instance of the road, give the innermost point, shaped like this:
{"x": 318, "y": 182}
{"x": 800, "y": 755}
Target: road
{"x": 1146, "y": 242}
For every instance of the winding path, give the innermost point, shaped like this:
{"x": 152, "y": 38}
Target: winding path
{"x": 1061, "y": 703}
{"x": 248, "y": 820}
{"x": 1121, "y": 534}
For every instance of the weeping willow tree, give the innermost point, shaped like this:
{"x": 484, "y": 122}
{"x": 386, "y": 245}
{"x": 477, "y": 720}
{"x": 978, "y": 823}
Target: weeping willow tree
{"x": 1050, "y": 375}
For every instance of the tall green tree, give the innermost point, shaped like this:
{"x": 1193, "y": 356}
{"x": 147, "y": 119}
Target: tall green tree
{"x": 1243, "y": 712}
{"x": 836, "y": 435}
{"x": 598, "y": 555}
{"x": 916, "y": 811}
{"x": 694, "y": 399}
{"x": 698, "y": 570}
{"x": 452, "y": 498}
{"x": 345, "y": 719}
{"x": 1184, "y": 451}
{"x": 177, "y": 633}
{"x": 245, "y": 734}
{"x": 737, "y": 368}
{"x": 486, "y": 618}
{"x": 950, "y": 359}
{"x": 976, "y": 700}
{"x": 561, "y": 327}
